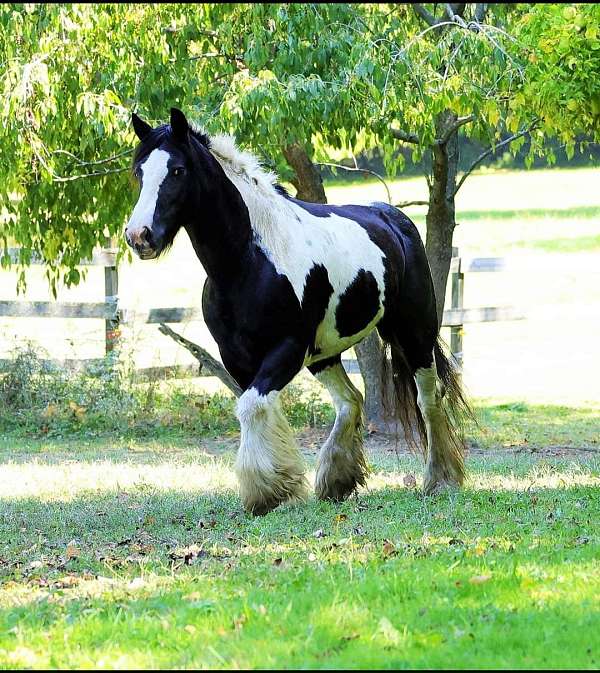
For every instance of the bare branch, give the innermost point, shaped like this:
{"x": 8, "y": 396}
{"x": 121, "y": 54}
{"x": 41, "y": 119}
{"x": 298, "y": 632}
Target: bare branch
{"x": 70, "y": 178}
{"x": 214, "y": 367}
{"x": 491, "y": 150}
{"x": 405, "y": 137}
{"x": 404, "y": 204}
{"x": 96, "y": 162}
{"x": 361, "y": 170}
{"x": 461, "y": 121}
{"x": 424, "y": 14}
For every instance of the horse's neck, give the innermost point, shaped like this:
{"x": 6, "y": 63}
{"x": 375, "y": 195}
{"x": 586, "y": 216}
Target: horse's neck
{"x": 221, "y": 233}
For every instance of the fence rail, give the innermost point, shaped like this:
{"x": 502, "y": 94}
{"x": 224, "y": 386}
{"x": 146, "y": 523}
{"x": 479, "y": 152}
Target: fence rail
{"x": 109, "y": 310}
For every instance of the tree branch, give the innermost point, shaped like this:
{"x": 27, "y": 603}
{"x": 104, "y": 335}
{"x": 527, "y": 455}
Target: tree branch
{"x": 424, "y": 14}
{"x": 405, "y": 137}
{"x": 404, "y": 204}
{"x": 361, "y": 170}
{"x": 491, "y": 150}
{"x": 453, "y": 13}
{"x": 214, "y": 367}
{"x": 460, "y": 121}
{"x": 480, "y": 11}
{"x": 96, "y": 162}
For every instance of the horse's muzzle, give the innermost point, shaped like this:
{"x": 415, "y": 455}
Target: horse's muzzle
{"x": 140, "y": 240}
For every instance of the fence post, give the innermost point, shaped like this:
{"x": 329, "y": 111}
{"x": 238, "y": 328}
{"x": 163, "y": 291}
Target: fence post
{"x": 456, "y": 333}
{"x": 112, "y": 331}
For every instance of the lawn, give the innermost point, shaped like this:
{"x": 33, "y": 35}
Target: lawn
{"x": 123, "y": 543}
{"x": 130, "y": 556}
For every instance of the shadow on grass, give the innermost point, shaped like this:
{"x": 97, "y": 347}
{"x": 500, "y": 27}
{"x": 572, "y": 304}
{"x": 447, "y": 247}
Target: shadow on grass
{"x": 268, "y": 592}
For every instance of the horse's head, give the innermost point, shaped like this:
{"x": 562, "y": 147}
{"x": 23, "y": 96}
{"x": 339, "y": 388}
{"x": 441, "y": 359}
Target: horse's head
{"x": 165, "y": 165}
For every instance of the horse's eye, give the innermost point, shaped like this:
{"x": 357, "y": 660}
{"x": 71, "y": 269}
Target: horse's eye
{"x": 177, "y": 172}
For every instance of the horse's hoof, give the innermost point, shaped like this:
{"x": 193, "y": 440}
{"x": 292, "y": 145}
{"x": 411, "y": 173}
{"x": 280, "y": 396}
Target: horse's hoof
{"x": 439, "y": 486}
{"x": 337, "y": 491}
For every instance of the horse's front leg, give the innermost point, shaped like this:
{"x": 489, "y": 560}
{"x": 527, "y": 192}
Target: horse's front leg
{"x": 269, "y": 465}
{"x": 342, "y": 465}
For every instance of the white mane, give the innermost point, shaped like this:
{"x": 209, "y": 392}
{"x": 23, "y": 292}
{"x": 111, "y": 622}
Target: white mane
{"x": 240, "y": 163}
{"x": 269, "y": 211}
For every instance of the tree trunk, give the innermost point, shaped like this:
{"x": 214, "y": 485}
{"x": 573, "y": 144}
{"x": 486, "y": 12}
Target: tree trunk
{"x": 378, "y": 384}
{"x": 441, "y": 218}
{"x": 369, "y": 352}
{"x": 308, "y": 182}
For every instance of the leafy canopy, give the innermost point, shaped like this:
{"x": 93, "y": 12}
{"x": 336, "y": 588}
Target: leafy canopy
{"x": 332, "y": 76}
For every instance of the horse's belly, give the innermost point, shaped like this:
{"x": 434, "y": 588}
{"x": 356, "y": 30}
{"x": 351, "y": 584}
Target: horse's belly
{"x": 328, "y": 339}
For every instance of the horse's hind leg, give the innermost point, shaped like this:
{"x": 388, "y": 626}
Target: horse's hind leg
{"x": 445, "y": 465}
{"x": 269, "y": 464}
{"x": 415, "y": 352}
{"x": 341, "y": 465}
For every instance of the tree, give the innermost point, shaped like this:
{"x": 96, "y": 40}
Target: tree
{"x": 292, "y": 82}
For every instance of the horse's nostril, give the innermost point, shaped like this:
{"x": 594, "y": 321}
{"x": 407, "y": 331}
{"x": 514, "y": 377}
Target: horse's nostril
{"x": 145, "y": 235}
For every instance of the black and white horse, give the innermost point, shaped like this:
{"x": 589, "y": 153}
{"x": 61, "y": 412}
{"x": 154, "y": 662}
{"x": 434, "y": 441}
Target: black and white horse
{"x": 291, "y": 285}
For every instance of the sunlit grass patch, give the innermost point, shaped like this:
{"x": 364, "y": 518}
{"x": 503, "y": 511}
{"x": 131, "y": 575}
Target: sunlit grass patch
{"x": 518, "y": 423}
{"x": 146, "y": 560}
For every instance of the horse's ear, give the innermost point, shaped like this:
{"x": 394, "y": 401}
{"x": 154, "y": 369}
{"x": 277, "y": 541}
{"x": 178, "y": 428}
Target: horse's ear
{"x": 179, "y": 124}
{"x": 142, "y": 130}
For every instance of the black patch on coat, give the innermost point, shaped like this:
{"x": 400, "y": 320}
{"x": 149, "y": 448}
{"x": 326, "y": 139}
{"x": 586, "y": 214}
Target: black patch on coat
{"x": 315, "y": 299}
{"x": 358, "y": 305}
{"x": 321, "y": 365}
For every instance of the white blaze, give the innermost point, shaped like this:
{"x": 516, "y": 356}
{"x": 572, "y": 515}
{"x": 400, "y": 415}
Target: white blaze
{"x": 154, "y": 171}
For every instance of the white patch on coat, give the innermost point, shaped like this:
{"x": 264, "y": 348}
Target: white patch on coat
{"x": 295, "y": 240}
{"x": 154, "y": 171}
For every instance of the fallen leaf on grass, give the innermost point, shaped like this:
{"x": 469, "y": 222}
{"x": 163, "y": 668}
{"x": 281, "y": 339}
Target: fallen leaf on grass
{"x": 389, "y": 548}
{"x": 388, "y": 631}
{"x": 72, "y": 551}
{"x": 409, "y": 481}
{"x": 340, "y": 517}
{"x": 50, "y": 411}
{"x": 479, "y": 579}
{"x": 188, "y": 554}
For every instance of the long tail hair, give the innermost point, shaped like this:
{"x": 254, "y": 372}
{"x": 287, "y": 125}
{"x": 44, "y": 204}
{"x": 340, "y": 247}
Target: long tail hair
{"x": 404, "y": 406}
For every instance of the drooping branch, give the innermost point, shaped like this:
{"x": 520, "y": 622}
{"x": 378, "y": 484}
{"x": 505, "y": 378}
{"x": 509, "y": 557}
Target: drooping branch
{"x": 94, "y": 162}
{"x": 214, "y": 367}
{"x": 491, "y": 150}
{"x": 361, "y": 170}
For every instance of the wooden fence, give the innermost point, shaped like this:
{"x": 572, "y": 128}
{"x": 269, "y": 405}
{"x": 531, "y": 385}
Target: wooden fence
{"x": 114, "y": 316}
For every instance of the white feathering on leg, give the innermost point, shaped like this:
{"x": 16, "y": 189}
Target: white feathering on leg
{"x": 269, "y": 464}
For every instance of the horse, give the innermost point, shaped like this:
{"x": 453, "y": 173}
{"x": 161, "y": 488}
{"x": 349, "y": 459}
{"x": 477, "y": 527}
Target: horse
{"x": 292, "y": 284}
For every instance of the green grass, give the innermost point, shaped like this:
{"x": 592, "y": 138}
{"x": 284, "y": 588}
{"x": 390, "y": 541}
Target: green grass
{"x": 144, "y": 559}
{"x": 563, "y": 245}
